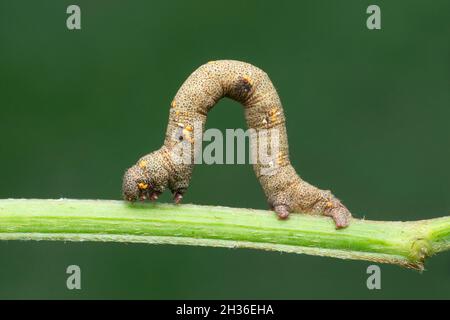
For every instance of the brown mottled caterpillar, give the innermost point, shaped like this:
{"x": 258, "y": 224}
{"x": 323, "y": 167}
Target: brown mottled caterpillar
{"x": 285, "y": 191}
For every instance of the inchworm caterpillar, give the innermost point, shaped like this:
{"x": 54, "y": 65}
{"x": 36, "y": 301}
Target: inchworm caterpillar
{"x": 285, "y": 191}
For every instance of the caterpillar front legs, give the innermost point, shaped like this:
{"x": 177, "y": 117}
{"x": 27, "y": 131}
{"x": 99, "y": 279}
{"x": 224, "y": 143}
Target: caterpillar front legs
{"x": 177, "y": 197}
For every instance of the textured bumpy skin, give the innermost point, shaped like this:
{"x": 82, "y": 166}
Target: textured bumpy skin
{"x": 285, "y": 191}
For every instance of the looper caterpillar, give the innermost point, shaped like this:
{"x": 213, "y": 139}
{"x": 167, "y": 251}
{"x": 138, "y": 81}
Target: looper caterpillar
{"x": 285, "y": 191}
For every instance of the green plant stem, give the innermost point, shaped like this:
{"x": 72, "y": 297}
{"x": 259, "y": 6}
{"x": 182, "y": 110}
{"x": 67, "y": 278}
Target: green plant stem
{"x": 403, "y": 243}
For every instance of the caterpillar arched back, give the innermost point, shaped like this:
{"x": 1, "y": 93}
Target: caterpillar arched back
{"x": 286, "y": 192}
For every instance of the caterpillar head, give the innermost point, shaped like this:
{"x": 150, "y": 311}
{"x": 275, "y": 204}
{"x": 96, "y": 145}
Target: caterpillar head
{"x": 147, "y": 179}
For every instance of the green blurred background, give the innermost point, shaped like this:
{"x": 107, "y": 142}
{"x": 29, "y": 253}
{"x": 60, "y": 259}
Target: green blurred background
{"x": 367, "y": 114}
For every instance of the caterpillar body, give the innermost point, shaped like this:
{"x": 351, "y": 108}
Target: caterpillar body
{"x": 286, "y": 192}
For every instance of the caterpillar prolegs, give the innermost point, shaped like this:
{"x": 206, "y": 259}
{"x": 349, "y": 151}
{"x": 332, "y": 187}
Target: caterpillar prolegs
{"x": 286, "y": 192}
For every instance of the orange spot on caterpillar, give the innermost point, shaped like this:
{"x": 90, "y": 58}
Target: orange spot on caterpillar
{"x": 279, "y": 159}
{"x": 173, "y": 104}
{"x": 329, "y": 205}
{"x": 142, "y": 186}
{"x": 245, "y": 84}
{"x": 143, "y": 164}
{"x": 248, "y": 80}
{"x": 273, "y": 114}
{"x": 187, "y": 134}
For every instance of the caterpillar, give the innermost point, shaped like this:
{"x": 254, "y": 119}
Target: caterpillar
{"x": 285, "y": 191}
